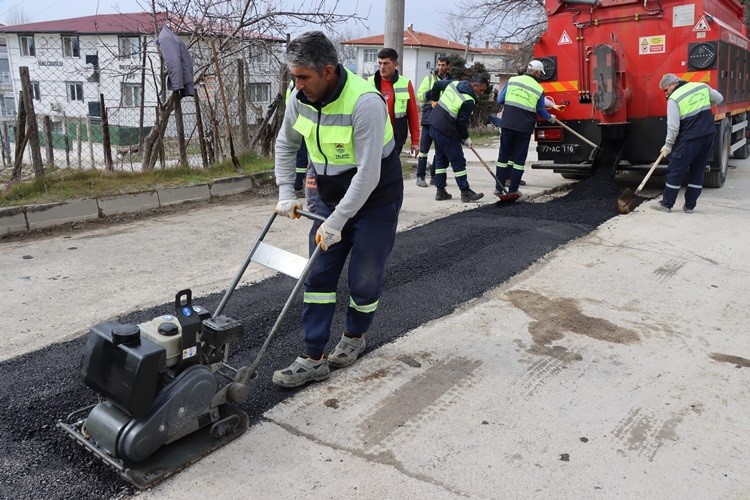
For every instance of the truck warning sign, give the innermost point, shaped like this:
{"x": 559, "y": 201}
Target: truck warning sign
{"x": 652, "y": 44}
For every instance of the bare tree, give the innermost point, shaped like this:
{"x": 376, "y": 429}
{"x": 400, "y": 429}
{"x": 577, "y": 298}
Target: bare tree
{"x": 236, "y": 26}
{"x": 16, "y": 15}
{"x": 347, "y": 53}
{"x": 503, "y": 20}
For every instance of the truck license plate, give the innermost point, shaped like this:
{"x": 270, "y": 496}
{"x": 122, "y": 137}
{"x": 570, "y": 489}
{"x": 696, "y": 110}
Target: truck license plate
{"x": 565, "y": 149}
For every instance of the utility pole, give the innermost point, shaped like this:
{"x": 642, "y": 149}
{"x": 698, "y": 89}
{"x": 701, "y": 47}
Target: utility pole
{"x": 466, "y": 50}
{"x": 394, "y": 27}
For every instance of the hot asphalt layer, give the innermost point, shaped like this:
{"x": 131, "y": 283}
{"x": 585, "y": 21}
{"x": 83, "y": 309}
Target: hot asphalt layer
{"x": 433, "y": 269}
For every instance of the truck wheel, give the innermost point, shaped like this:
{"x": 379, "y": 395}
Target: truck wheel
{"x": 716, "y": 177}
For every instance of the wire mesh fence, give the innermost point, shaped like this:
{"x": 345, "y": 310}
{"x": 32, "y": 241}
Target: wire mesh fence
{"x": 101, "y": 102}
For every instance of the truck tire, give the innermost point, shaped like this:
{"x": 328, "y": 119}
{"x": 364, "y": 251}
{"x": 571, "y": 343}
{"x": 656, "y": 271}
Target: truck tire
{"x": 716, "y": 177}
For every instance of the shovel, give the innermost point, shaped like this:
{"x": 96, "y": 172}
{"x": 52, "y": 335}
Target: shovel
{"x": 506, "y": 195}
{"x": 590, "y": 143}
{"x": 628, "y": 200}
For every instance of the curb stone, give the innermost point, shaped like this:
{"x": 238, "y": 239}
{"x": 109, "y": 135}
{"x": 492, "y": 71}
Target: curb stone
{"x": 26, "y": 218}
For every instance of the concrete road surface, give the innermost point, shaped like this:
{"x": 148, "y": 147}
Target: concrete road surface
{"x": 616, "y": 366}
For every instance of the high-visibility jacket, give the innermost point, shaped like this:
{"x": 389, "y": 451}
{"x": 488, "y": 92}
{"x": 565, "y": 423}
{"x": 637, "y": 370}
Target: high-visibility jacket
{"x": 328, "y": 134}
{"x": 522, "y": 94}
{"x": 694, "y": 101}
{"x": 453, "y": 110}
{"x": 423, "y": 94}
{"x": 400, "y": 103}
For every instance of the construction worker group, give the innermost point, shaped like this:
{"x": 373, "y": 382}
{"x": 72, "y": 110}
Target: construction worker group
{"x": 353, "y": 132}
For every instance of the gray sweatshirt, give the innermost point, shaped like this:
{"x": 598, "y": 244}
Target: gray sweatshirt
{"x": 369, "y": 120}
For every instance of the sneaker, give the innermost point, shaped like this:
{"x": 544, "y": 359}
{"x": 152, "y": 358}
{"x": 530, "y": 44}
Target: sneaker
{"x": 346, "y": 351}
{"x": 469, "y": 196}
{"x": 521, "y": 183}
{"x": 661, "y": 207}
{"x": 442, "y": 194}
{"x": 302, "y": 371}
{"x": 421, "y": 183}
{"x": 686, "y": 209}
{"x": 299, "y": 193}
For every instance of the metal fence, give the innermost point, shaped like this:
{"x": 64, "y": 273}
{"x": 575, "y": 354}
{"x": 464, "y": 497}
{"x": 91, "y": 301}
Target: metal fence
{"x": 96, "y": 101}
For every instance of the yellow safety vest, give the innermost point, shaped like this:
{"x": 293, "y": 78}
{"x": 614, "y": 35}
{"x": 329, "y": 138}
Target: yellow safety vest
{"x": 452, "y": 99}
{"x": 328, "y": 131}
{"x": 400, "y": 95}
{"x": 523, "y": 92}
{"x": 691, "y": 98}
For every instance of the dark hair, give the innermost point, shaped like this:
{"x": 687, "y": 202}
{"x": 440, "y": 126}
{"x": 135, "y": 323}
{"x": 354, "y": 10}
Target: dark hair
{"x": 311, "y": 50}
{"x": 388, "y": 53}
{"x": 480, "y": 79}
{"x": 445, "y": 59}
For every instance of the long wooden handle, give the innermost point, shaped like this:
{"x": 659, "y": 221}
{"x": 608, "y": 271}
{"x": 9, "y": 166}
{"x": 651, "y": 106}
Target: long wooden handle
{"x": 648, "y": 175}
{"x": 590, "y": 143}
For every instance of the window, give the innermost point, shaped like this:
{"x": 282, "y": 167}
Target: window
{"x": 371, "y": 56}
{"x": 4, "y": 72}
{"x": 71, "y": 47}
{"x": 259, "y": 92}
{"x": 130, "y": 47}
{"x": 28, "y": 49}
{"x": 9, "y": 106}
{"x": 131, "y": 94}
{"x": 74, "y": 91}
{"x": 259, "y": 55}
{"x": 35, "y": 91}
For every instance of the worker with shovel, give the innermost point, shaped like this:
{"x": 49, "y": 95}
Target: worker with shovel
{"x": 522, "y": 99}
{"x": 449, "y": 128}
{"x": 344, "y": 122}
{"x": 690, "y": 137}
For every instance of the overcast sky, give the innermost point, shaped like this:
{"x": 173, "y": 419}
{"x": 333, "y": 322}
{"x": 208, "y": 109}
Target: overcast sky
{"x": 420, "y": 13}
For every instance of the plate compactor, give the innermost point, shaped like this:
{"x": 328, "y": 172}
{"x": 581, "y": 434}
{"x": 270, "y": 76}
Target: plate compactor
{"x": 167, "y": 395}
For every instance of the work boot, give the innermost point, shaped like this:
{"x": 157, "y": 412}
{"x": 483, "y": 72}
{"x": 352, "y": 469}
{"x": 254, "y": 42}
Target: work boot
{"x": 507, "y": 183}
{"x": 302, "y": 371}
{"x": 421, "y": 183}
{"x": 662, "y": 208}
{"x": 442, "y": 195}
{"x": 686, "y": 209}
{"x": 468, "y": 196}
{"x": 432, "y": 181}
{"x": 346, "y": 351}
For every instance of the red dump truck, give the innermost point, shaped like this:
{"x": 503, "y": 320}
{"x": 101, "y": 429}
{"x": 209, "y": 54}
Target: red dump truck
{"x": 603, "y": 60}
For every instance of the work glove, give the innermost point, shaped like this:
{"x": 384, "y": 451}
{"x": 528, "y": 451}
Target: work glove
{"x": 288, "y": 208}
{"x": 467, "y": 142}
{"x": 666, "y": 149}
{"x": 552, "y": 119}
{"x": 327, "y": 236}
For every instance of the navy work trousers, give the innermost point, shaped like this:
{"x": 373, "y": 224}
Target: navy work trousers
{"x": 425, "y": 141}
{"x": 448, "y": 150}
{"x": 688, "y": 157}
{"x": 367, "y": 239}
{"x": 514, "y": 147}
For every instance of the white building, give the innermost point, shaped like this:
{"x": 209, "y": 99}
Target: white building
{"x": 421, "y": 52}
{"x": 72, "y": 62}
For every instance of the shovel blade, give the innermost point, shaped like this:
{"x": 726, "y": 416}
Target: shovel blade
{"x": 626, "y": 202}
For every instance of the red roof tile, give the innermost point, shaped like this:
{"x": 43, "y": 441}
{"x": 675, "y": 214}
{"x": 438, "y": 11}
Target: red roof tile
{"x": 411, "y": 38}
{"x": 102, "y": 24}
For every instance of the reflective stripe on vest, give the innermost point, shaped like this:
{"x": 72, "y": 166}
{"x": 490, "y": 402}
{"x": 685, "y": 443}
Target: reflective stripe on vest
{"x": 451, "y": 99}
{"x": 328, "y": 132}
{"x": 692, "y": 98}
{"x": 400, "y": 95}
{"x": 289, "y": 90}
{"x": 523, "y": 92}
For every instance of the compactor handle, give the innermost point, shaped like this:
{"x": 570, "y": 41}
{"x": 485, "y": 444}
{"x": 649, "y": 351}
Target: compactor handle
{"x": 311, "y": 215}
